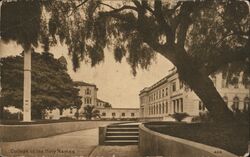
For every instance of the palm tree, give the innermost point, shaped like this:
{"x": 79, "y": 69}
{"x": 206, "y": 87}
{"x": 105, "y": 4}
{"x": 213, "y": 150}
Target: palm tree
{"x": 90, "y": 112}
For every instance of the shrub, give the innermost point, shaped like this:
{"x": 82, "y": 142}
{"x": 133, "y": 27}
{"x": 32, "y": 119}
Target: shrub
{"x": 179, "y": 116}
{"x": 203, "y": 117}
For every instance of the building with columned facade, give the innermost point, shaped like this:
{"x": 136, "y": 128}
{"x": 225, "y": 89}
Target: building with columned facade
{"x": 169, "y": 95}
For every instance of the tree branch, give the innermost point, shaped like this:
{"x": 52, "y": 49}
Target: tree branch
{"x": 241, "y": 54}
{"x": 161, "y": 20}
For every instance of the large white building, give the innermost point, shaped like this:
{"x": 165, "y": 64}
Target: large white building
{"x": 170, "y": 95}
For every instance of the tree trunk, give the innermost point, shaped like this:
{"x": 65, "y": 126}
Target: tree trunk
{"x": 204, "y": 88}
{"x": 202, "y": 85}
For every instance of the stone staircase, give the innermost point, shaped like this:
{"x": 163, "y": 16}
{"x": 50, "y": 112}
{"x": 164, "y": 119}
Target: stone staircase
{"x": 122, "y": 134}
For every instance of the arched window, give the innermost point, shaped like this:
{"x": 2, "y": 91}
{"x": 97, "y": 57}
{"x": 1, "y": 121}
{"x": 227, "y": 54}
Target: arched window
{"x": 225, "y": 99}
{"x": 246, "y": 103}
{"x": 236, "y": 102}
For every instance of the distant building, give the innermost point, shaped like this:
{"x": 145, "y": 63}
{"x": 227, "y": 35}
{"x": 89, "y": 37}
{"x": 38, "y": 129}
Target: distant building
{"x": 88, "y": 92}
{"x": 119, "y": 113}
{"x": 102, "y": 104}
{"x": 170, "y": 95}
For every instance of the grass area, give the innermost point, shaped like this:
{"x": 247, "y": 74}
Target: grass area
{"x": 231, "y": 137}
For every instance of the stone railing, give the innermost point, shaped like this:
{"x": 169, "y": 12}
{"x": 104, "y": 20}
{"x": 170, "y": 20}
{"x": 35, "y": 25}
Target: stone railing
{"x": 24, "y": 132}
{"x": 152, "y": 143}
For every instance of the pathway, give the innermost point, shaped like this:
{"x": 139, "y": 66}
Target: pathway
{"x": 76, "y": 144}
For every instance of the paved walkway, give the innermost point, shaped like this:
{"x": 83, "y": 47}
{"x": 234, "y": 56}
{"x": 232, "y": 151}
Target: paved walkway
{"x": 80, "y": 143}
{"x": 116, "y": 151}
{"x": 76, "y": 144}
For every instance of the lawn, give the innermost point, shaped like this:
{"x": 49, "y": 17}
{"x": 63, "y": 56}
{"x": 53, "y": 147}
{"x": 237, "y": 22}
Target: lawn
{"x": 231, "y": 137}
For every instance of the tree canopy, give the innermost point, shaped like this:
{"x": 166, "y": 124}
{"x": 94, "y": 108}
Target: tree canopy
{"x": 199, "y": 37}
{"x": 52, "y": 87}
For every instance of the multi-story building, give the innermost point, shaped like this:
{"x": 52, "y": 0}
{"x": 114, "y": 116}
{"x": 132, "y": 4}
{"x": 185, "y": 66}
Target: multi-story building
{"x": 88, "y": 92}
{"x": 170, "y": 95}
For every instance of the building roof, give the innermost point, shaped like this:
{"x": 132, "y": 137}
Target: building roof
{"x": 99, "y": 100}
{"x": 81, "y": 83}
{"x": 160, "y": 82}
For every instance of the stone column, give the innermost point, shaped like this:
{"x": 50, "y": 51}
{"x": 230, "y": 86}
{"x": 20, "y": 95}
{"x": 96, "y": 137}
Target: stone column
{"x": 27, "y": 86}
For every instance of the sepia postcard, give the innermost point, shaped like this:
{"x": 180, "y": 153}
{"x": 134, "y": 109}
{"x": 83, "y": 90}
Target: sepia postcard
{"x": 124, "y": 78}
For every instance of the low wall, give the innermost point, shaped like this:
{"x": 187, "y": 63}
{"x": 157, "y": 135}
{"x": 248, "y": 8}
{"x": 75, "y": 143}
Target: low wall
{"x": 152, "y": 143}
{"x": 10, "y": 133}
{"x": 102, "y": 134}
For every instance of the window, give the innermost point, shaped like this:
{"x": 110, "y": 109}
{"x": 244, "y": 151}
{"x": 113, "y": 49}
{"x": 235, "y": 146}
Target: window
{"x": 163, "y": 92}
{"x": 159, "y": 108}
{"x": 123, "y": 114}
{"x": 113, "y": 114}
{"x": 177, "y": 105}
{"x": 163, "y": 107}
{"x": 174, "y": 87}
{"x": 159, "y": 93}
{"x": 166, "y": 107}
{"x": 50, "y": 111}
{"x": 166, "y": 92}
{"x": 132, "y": 114}
{"x": 236, "y": 102}
{"x": 104, "y": 114}
{"x": 87, "y": 91}
{"x": 246, "y": 104}
{"x": 201, "y": 106}
{"x": 61, "y": 112}
{"x": 71, "y": 110}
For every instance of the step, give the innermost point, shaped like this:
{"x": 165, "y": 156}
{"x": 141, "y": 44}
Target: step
{"x": 123, "y": 126}
{"x": 124, "y": 133}
{"x": 122, "y": 137}
{"x": 121, "y": 142}
{"x": 122, "y": 129}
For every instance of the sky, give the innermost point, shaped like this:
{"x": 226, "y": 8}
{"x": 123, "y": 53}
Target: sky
{"x": 114, "y": 80}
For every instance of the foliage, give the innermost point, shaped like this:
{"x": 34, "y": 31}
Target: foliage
{"x": 10, "y": 116}
{"x": 179, "y": 116}
{"x": 90, "y": 112}
{"x": 203, "y": 117}
{"x": 51, "y": 87}
{"x": 241, "y": 116}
